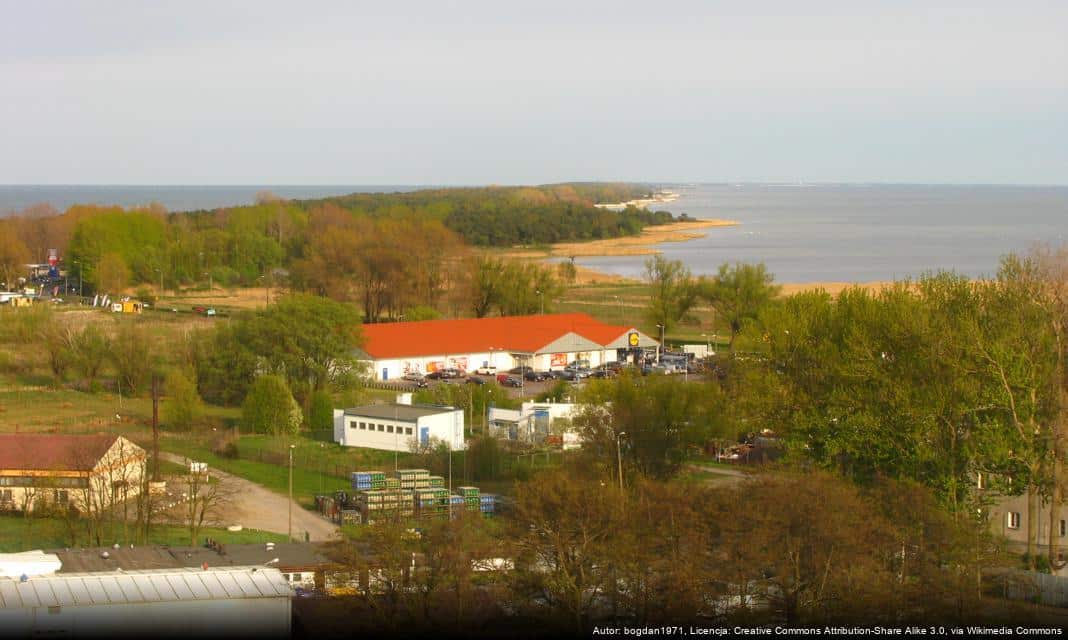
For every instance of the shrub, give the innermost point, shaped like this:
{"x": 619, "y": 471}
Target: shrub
{"x": 269, "y": 407}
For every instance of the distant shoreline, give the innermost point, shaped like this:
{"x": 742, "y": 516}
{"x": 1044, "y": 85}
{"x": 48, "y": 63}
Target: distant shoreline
{"x": 660, "y": 197}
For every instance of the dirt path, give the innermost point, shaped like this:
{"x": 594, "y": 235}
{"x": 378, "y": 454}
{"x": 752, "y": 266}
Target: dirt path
{"x": 726, "y": 476}
{"x": 255, "y": 507}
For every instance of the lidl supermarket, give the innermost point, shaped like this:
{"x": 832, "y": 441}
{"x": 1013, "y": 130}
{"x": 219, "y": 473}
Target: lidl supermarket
{"x": 544, "y": 342}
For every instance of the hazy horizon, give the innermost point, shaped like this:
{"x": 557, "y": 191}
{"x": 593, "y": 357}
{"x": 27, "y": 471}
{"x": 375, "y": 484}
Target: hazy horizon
{"x": 116, "y": 92}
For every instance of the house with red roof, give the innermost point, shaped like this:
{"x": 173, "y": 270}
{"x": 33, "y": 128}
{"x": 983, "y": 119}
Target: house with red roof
{"x": 543, "y": 342}
{"x": 88, "y": 472}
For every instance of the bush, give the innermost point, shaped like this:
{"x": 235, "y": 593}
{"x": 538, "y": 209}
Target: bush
{"x": 320, "y": 412}
{"x": 269, "y": 407}
{"x": 227, "y": 448}
{"x": 182, "y": 406}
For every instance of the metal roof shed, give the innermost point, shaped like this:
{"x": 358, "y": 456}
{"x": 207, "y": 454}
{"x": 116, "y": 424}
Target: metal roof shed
{"x": 223, "y": 602}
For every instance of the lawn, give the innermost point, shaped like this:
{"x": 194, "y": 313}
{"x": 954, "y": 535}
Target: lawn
{"x": 50, "y": 533}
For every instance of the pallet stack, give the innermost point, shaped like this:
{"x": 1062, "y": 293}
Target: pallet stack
{"x": 488, "y": 504}
{"x": 470, "y": 496}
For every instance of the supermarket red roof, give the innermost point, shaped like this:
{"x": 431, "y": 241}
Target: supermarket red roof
{"x": 518, "y": 334}
{"x": 53, "y": 452}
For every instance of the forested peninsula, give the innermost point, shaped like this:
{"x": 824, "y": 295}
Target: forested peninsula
{"x": 415, "y": 255}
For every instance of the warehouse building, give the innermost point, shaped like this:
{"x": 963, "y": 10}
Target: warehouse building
{"x": 245, "y": 602}
{"x": 544, "y": 342}
{"x": 399, "y": 426}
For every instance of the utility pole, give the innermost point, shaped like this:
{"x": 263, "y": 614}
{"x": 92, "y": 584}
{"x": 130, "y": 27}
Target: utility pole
{"x": 619, "y": 457}
{"x": 291, "y": 447}
{"x": 155, "y": 427}
{"x": 541, "y": 301}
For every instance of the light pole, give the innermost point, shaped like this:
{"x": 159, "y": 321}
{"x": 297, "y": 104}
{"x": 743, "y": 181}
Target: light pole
{"x": 660, "y": 347}
{"x": 619, "y": 457}
{"x": 211, "y": 281}
{"x": 291, "y": 447}
{"x": 620, "y": 303}
{"x": 541, "y": 301}
{"x": 79, "y": 277}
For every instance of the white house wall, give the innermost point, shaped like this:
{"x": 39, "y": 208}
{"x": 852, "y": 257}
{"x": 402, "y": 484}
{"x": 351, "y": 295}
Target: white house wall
{"x": 375, "y": 433}
{"x": 447, "y": 427}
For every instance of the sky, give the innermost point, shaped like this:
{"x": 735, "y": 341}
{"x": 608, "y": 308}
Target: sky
{"x": 517, "y": 92}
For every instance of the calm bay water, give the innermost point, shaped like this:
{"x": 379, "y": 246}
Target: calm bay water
{"x": 859, "y": 233}
{"x": 14, "y": 198}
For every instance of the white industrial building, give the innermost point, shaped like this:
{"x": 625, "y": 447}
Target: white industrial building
{"x": 533, "y": 421}
{"x": 543, "y": 342}
{"x": 400, "y": 426}
{"x": 231, "y": 602}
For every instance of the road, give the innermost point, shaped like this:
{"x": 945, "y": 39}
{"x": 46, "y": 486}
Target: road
{"x": 255, "y": 507}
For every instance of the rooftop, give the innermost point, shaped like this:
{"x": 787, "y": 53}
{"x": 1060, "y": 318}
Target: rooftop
{"x": 130, "y": 587}
{"x": 291, "y": 555}
{"x": 400, "y": 412}
{"x": 517, "y": 334}
{"x": 53, "y": 452}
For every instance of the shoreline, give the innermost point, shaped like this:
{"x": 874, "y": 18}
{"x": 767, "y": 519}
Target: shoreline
{"x": 588, "y": 276}
{"x": 641, "y": 244}
{"x": 660, "y": 197}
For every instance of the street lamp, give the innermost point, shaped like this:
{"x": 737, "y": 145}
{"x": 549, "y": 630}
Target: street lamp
{"x": 541, "y": 301}
{"x": 291, "y": 447}
{"x": 211, "y": 281}
{"x": 619, "y": 457}
{"x": 660, "y": 347}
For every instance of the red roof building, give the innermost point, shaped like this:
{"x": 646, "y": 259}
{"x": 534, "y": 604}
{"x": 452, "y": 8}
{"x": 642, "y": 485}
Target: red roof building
{"x": 87, "y": 471}
{"x": 543, "y": 342}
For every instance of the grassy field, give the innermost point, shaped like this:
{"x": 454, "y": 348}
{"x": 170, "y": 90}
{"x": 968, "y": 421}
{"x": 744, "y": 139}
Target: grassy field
{"x": 50, "y": 533}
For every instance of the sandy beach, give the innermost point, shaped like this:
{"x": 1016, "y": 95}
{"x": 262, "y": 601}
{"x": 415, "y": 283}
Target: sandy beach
{"x": 641, "y": 244}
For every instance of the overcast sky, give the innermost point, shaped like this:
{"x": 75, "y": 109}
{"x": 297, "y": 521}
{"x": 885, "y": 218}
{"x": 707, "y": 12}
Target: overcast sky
{"x": 438, "y": 92}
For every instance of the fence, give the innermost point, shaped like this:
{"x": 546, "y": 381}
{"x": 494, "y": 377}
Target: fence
{"x": 1041, "y": 588}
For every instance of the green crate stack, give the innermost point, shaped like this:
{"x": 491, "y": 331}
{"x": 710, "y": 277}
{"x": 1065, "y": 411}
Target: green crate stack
{"x": 391, "y": 483}
{"x": 471, "y": 498}
{"x": 378, "y": 480}
{"x": 436, "y": 482}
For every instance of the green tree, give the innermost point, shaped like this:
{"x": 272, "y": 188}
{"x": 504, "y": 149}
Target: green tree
{"x": 737, "y": 293}
{"x": 270, "y": 408}
{"x": 112, "y": 274}
{"x": 132, "y": 356}
{"x": 662, "y": 419}
{"x": 182, "y": 406}
{"x": 320, "y": 412}
{"x": 672, "y": 291}
{"x": 90, "y": 352}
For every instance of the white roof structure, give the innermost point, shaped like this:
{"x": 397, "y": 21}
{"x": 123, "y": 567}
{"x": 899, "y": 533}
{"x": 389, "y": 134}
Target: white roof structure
{"x": 136, "y": 587}
{"x": 30, "y": 563}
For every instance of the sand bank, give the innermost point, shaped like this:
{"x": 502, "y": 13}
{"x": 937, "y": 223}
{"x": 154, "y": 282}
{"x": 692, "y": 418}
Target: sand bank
{"x": 641, "y": 244}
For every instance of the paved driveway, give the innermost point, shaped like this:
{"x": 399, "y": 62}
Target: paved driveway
{"x": 255, "y": 507}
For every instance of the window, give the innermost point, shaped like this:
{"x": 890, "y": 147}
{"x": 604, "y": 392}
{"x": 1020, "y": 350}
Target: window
{"x": 1012, "y": 519}
{"x": 389, "y": 429}
{"x": 363, "y": 425}
{"x": 1064, "y": 528}
{"x": 407, "y": 431}
{"x": 62, "y": 497}
{"x": 296, "y": 577}
{"x": 5, "y": 495}
{"x": 285, "y": 576}
{"x": 381, "y": 427}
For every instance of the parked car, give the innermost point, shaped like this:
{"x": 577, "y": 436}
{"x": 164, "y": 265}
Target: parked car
{"x": 603, "y": 373}
{"x": 474, "y": 380}
{"x": 578, "y": 373}
{"x": 414, "y": 376}
{"x": 536, "y": 376}
{"x": 486, "y": 371}
{"x": 563, "y": 374}
{"x": 512, "y": 381}
{"x": 451, "y": 372}
{"x": 434, "y": 375}
{"x": 522, "y": 370}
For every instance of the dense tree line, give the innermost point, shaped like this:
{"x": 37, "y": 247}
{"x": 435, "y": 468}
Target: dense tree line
{"x": 396, "y": 254}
